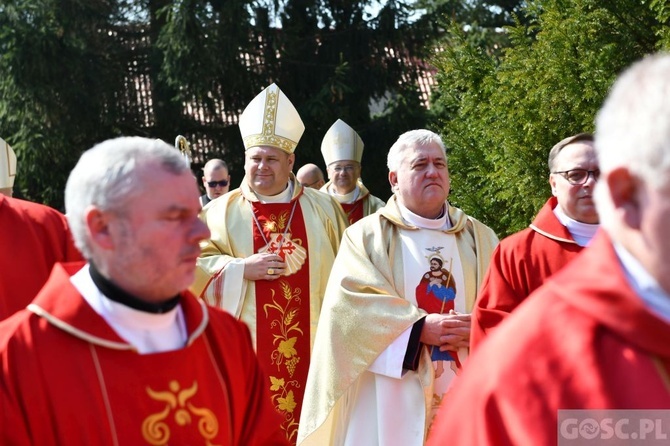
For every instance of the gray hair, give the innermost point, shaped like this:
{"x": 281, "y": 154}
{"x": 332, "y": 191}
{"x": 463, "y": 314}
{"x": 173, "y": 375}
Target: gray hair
{"x": 106, "y": 177}
{"x": 633, "y": 125}
{"x": 413, "y": 138}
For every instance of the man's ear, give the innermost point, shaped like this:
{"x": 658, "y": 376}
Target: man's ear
{"x": 552, "y": 183}
{"x": 625, "y": 193}
{"x": 393, "y": 180}
{"x": 97, "y": 222}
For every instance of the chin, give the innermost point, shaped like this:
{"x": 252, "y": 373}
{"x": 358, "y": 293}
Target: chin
{"x": 263, "y": 188}
{"x": 187, "y": 274}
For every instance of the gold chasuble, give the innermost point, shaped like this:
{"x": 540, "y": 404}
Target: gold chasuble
{"x": 282, "y": 308}
{"x": 367, "y": 307}
{"x": 281, "y": 314}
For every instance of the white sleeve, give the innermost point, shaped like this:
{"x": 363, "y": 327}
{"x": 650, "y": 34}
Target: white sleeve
{"x": 229, "y": 287}
{"x": 389, "y": 362}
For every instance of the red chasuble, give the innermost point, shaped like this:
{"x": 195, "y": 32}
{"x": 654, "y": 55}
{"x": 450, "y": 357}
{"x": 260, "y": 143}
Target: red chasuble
{"x": 520, "y": 264}
{"x": 66, "y": 378}
{"x": 283, "y": 309}
{"x": 32, "y": 239}
{"x": 584, "y": 340}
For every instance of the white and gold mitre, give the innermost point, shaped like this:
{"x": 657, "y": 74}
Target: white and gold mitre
{"x": 271, "y": 120}
{"x": 7, "y": 165}
{"x": 341, "y": 143}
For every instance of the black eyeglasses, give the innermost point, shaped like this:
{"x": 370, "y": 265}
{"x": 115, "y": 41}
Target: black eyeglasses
{"x": 579, "y": 176}
{"x": 222, "y": 183}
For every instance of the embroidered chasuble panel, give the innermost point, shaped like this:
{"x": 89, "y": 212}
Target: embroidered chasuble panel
{"x": 156, "y": 399}
{"x": 353, "y": 210}
{"x": 283, "y": 309}
{"x": 434, "y": 281}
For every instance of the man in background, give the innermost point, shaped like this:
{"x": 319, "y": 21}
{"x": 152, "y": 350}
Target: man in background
{"x": 215, "y": 179}
{"x": 342, "y": 150}
{"x": 594, "y": 336}
{"x": 272, "y": 247}
{"x": 115, "y": 351}
{"x": 33, "y": 237}
{"x": 563, "y": 227}
{"x": 310, "y": 175}
{"x": 395, "y": 324}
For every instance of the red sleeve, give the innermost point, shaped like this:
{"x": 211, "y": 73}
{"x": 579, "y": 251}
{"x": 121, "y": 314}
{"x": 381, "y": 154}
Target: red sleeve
{"x": 497, "y": 297}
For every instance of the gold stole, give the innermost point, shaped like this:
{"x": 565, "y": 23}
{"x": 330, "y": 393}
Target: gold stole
{"x": 283, "y": 309}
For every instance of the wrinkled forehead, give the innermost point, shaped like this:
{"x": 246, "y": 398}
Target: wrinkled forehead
{"x": 163, "y": 186}
{"x": 429, "y": 151}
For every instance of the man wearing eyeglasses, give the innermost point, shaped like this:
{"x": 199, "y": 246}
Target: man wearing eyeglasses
{"x": 588, "y": 352}
{"x": 342, "y": 150}
{"x": 216, "y": 180}
{"x": 563, "y": 227}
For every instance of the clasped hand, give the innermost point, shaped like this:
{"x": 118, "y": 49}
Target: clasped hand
{"x": 448, "y": 331}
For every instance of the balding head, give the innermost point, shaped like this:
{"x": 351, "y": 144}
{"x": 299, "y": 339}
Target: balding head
{"x": 216, "y": 178}
{"x": 310, "y": 175}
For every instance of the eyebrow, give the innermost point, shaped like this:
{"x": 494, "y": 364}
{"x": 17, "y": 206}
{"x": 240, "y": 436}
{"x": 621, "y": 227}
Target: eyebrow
{"x": 420, "y": 159}
{"x": 174, "y": 208}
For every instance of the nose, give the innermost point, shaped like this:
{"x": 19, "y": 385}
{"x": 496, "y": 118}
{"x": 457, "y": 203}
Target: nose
{"x": 431, "y": 171}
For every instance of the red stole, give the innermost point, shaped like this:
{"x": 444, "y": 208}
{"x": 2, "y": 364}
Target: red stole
{"x": 353, "y": 210}
{"x": 283, "y": 309}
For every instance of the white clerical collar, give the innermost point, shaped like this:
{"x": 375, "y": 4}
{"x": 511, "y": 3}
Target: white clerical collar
{"x": 442, "y": 222}
{"x": 582, "y": 233}
{"x": 654, "y": 297}
{"x": 282, "y": 197}
{"x": 346, "y": 198}
{"x": 147, "y": 332}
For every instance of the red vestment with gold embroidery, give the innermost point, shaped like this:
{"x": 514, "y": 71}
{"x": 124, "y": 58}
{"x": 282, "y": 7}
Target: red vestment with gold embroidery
{"x": 283, "y": 308}
{"x": 67, "y": 378}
